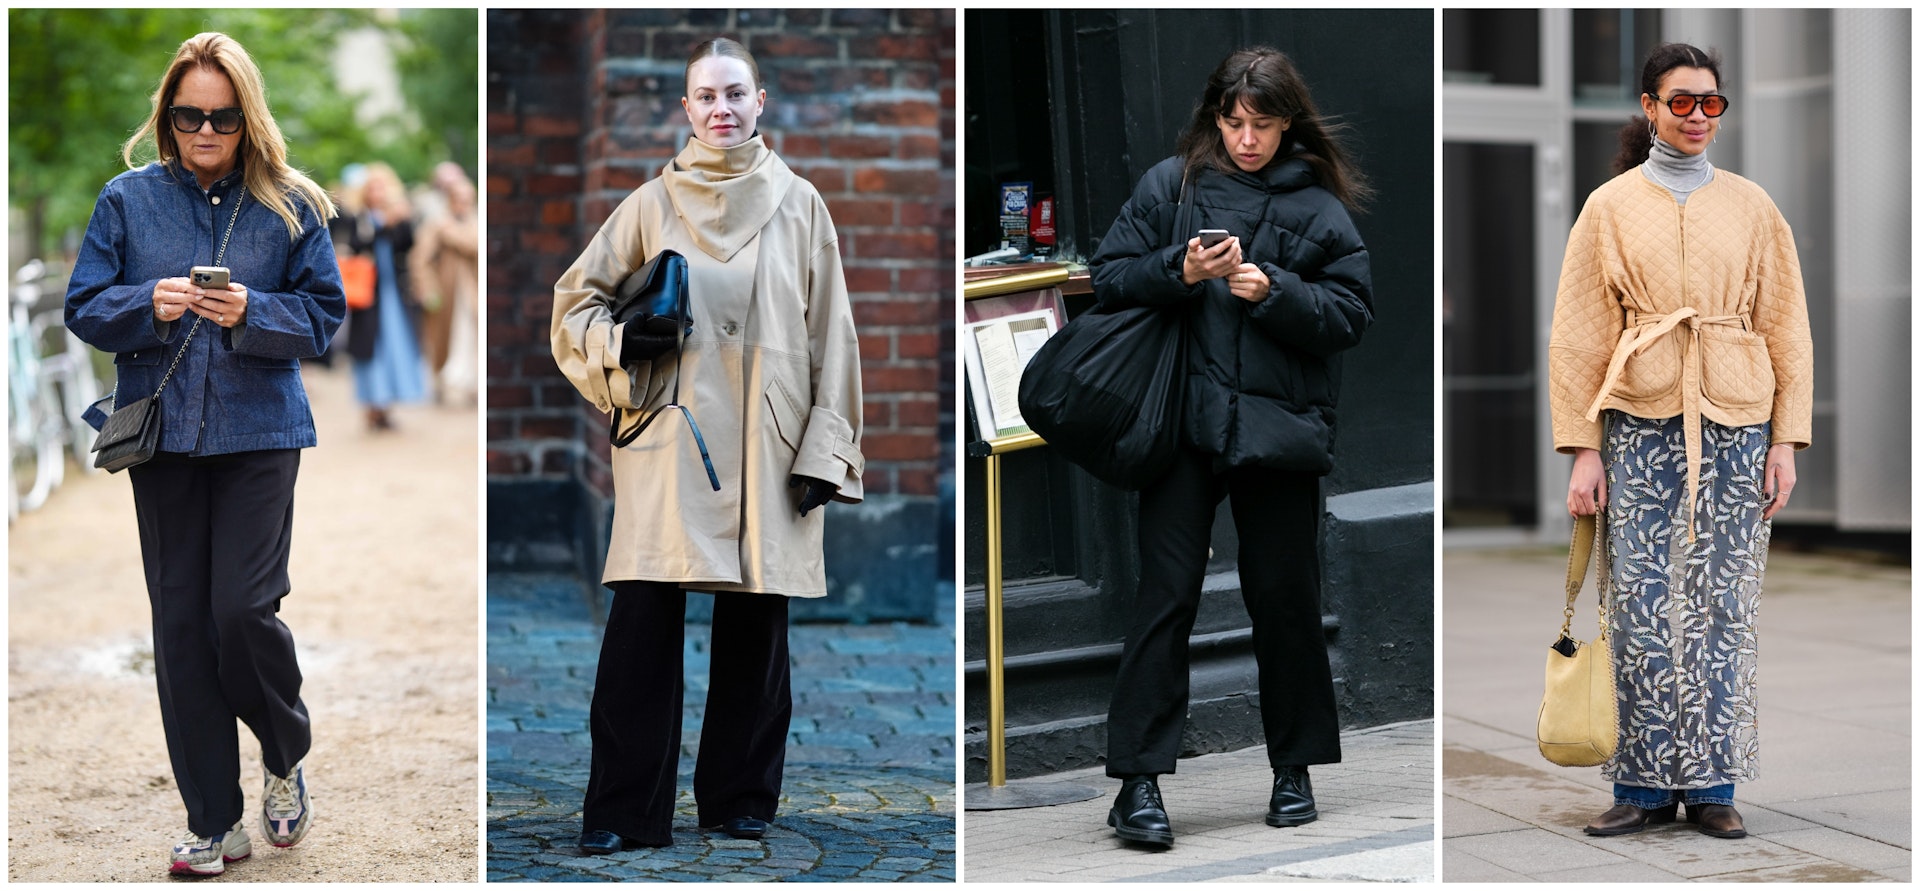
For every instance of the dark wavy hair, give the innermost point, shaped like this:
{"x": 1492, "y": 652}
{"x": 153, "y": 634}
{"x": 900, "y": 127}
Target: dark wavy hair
{"x": 1636, "y": 140}
{"x": 1265, "y": 79}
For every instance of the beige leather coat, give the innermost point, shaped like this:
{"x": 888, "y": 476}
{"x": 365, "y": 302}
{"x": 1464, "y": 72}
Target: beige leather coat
{"x": 771, "y": 372}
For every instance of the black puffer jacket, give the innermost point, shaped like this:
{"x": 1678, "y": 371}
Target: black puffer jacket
{"x": 1261, "y": 377}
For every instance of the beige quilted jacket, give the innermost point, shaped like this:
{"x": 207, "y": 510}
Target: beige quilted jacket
{"x": 1667, "y": 309}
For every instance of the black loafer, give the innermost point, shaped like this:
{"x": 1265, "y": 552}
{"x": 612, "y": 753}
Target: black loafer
{"x": 600, "y": 841}
{"x": 744, "y": 827}
{"x": 1292, "y": 801}
{"x": 1138, "y": 815}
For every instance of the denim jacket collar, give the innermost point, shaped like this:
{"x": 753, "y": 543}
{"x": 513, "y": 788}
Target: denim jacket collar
{"x": 222, "y": 187}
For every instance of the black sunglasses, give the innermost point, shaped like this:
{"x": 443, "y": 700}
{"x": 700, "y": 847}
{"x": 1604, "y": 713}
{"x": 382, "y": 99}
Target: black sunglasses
{"x": 188, "y": 119}
{"x": 1712, "y": 105}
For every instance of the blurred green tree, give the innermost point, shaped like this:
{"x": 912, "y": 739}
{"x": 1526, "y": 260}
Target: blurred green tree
{"x": 81, "y": 81}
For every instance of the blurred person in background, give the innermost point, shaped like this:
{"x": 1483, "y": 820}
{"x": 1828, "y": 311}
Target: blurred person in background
{"x": 380, "y": 338}
{"x": 215, "y": 503}
{"x": 446, "y": 268}
{"x": 771, "y": 369}
{"x": 1681, "y": 372}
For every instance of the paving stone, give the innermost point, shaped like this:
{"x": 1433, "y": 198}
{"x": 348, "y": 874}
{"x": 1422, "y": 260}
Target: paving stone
{"x": 844, "y": 791}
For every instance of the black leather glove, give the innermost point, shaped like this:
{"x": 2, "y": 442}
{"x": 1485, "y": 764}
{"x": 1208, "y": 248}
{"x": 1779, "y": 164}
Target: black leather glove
{"x": 648, "y": 337}
{"x": 818, "y": 493}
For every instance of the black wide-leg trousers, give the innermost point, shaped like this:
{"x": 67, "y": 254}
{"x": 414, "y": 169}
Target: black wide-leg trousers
{"x": 215, "y": 533}
{"x": 635, "y": 718}
{"x": 1276, "y": 514}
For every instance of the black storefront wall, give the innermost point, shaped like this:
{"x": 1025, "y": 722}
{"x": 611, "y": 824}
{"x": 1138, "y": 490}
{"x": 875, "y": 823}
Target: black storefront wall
{"x": 1120, "y": 86}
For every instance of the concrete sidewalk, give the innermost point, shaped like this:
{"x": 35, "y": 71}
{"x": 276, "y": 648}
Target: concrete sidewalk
{"x": 868, "y": 789}
{"x": 1834, "y": 799}
{"x": 1376, "y": 823}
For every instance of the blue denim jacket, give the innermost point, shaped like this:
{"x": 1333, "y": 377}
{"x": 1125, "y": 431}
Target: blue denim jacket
{"x": 238, "y": 389}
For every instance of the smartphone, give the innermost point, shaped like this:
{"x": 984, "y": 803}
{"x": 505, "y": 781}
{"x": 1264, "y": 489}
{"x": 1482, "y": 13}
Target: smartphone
{"x": 1211, "y": 237}
{"x": 211, "y": 278}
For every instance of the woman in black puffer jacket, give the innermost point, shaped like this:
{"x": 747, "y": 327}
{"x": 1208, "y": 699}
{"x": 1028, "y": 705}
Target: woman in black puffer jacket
{"x": 1269, "y": 310}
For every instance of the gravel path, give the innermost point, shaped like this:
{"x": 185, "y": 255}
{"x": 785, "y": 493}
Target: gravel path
{"x": 385, "y": 613}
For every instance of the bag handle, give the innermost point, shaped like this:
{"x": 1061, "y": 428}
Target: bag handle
{"x": 1183, "y": 212}
{"x": 1587, "y": 546}
{"x": 622, "y": 440}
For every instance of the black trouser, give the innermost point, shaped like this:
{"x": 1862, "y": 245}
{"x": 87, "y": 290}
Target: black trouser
{"x": 637, "y": 695}
{"x": 1276, "y": 515}
{"x": 214, "y": 537}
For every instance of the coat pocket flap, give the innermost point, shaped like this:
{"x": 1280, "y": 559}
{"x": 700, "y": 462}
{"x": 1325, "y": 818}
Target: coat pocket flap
{"x": 786, "y": 415}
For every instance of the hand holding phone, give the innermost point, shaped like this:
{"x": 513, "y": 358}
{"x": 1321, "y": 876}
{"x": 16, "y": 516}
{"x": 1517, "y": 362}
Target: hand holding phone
{"x": 1211, "y": 254}
{"x": 220, "y": 301}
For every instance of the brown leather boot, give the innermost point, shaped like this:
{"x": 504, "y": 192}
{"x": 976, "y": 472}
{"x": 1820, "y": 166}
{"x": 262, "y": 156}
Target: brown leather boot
{"x": 1717, "y": 820}
{"x": 1622, "y": 819}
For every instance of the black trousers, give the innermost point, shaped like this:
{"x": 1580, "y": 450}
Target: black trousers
{"x": 1276, "y": 515}
{"x": 635, "y": 718}
{"x": 214, "y": 538}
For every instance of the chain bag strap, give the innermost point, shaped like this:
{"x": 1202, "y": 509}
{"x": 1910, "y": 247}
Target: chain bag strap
{"x": 131, "y": 434}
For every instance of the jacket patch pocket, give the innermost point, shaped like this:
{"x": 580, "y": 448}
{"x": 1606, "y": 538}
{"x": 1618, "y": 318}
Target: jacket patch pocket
{"x": 1269, "y": 433}
{"x": 1735, "y": 369}
{"x": 1654, "y": 371}
{"x": 786, "y": 415}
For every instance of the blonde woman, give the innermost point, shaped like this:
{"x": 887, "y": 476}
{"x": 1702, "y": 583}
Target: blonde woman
{"x": 771, "y": 370}
{"x": 380, "y": 338}
{"x": 215, "y": 504}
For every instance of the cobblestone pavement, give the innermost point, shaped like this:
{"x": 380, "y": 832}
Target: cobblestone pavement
{"x": 868, "y": 793}
{"x": 1376, "y": 823}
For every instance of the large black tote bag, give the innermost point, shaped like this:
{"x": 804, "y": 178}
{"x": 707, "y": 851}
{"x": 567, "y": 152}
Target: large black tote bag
{"x": 1105, "y": 392}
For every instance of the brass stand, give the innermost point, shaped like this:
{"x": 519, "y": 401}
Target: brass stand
{"x": 995, "y": 794}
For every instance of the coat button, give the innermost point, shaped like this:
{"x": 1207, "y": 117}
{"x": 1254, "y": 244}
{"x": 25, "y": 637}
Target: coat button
{"x": 216, "y": 199}
{"x": 731, "y": 328}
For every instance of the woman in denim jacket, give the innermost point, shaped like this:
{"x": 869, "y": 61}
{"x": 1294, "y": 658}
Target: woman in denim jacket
{"x": 215, "y": 505}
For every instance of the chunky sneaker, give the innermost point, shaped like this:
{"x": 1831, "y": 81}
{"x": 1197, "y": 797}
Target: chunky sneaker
{"x": 198, "y": 855}
{"x": 286, "y": 811}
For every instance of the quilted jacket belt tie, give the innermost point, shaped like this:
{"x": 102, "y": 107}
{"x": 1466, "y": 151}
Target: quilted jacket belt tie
{"x": 1651, "y": 328}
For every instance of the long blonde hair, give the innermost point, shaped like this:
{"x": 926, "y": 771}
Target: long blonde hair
{"x": 263, "y": 151}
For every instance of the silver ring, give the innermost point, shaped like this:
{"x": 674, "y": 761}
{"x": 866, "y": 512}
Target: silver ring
{"x": 223, "y": 318}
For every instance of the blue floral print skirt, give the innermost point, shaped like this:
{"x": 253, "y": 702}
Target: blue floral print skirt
{"x": 1685, "y": 653}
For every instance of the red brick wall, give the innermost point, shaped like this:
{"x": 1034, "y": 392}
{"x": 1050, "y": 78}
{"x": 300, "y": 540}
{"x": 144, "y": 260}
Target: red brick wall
{"x": 583, "y": 107}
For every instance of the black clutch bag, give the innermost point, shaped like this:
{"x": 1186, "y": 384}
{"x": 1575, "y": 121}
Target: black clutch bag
{"x": 656, "y": 294}
{"x": 130, "y": 436}
{"x": 658, "y": 289}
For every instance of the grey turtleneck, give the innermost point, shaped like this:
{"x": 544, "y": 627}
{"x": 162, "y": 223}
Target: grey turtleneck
{"x": 1675, "y": 170}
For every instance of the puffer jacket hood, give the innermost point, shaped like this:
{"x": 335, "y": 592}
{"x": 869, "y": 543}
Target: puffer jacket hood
{"x": 1262, "y": 378}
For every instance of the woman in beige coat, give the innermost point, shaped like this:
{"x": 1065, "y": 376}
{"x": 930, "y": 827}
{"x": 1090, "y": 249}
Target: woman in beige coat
{"x": 770, "y": 371}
